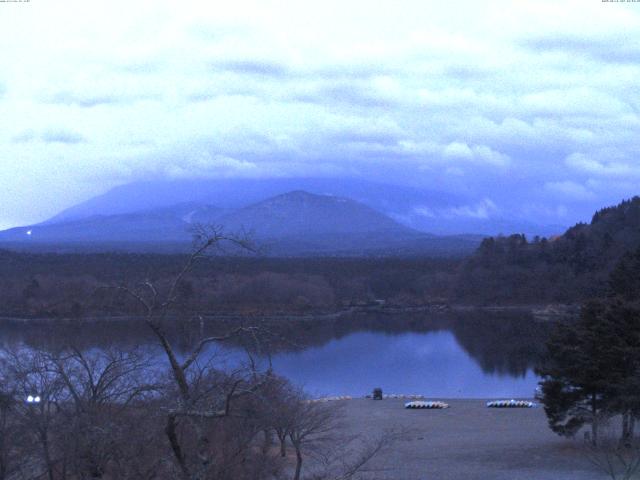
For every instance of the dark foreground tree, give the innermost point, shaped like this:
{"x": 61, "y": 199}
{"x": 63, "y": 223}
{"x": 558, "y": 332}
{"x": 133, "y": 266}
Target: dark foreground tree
{"x": 575, "y": 374}
{"x": 591, "y": 370}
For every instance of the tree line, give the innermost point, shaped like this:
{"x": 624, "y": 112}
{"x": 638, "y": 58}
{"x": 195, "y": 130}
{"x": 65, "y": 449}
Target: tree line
{"x": 69, "y": 285}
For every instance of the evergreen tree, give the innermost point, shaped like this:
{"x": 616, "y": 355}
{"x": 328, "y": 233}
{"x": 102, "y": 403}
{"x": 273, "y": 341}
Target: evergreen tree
{"x": 592, "y": 370}
{"x": 576, "y": 374}
{"x": 624, "y": 321}
{"x": 624, "y": 280}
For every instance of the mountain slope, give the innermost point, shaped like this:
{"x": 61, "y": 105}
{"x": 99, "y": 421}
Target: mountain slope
{"x": 570, "y": 267}
{"x": 240, "y": 192}
{"x": 423, "y": 209}
{"x": 167, "y": 224}
{"x": 303, "y": 223}
{"x": 300, "y": 213}
{"x": 295, "y": 223}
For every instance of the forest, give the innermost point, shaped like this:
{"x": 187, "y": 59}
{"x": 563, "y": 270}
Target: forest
{"x": 569, "y": 268}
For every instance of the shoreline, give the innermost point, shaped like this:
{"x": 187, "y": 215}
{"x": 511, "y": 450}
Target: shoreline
{"x": 539, "y": 312}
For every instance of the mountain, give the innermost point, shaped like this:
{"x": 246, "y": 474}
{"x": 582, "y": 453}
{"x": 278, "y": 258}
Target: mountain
{"x": 300, "y": 213}
{"x": 240, "y": 192}
{"x": 303, "y": 222}
{"x": 423, "y": 209}
{"x": 294, "y": 223}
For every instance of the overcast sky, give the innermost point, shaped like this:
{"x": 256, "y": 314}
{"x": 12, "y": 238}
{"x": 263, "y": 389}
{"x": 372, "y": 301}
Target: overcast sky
{"x": 529, "y": 108}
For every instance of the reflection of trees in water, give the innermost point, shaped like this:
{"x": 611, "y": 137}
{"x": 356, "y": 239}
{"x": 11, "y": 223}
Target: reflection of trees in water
{"x": 503, "y": 343}
{"x": 499, "y": 342}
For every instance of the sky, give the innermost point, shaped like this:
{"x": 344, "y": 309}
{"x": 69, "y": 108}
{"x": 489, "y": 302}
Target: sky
{"x": 529, "y": 108}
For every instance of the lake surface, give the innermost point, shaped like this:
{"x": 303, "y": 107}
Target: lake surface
{"x": 432, "y": 364}
{"x": 457, "y": 356}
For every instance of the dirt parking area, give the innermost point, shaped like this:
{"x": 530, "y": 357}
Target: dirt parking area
{"x": 467, "y": 441}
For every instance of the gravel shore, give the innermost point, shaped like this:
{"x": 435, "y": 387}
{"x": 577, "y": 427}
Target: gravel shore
{"x": 467, "y": 441}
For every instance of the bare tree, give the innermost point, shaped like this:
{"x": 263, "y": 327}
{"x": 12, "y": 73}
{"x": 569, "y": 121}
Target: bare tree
{"x": 11, "y": 435}
{"x": 313, "y": 424}
{"x": 619, "y": 460}
{"x": 102, "y": 387}
{"x": 195, "y": 406}
{"x": 315, "y": 431}
{"x": 38, "y": 395}
{"x": 281, "y": 404}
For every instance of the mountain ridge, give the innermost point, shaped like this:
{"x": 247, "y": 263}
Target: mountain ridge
{"x": 293, "y": 223}
{"x": 426, "y": 210}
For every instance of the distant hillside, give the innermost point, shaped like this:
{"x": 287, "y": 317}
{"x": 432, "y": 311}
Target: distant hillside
{"x": 570, "y": 267}
{"x": 424, "y": 209}
{"x": 167, "y": 224}
{"x": 234, "y": 193}
{"x": 295, "y": 223}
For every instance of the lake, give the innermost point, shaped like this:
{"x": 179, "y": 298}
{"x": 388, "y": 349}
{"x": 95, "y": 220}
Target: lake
{"x": 479, "y": 355}
{"x": 433, "y": 364}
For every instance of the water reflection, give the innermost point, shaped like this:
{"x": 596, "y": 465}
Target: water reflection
{"x": 471, "y": 354}
{"x": 433, "y": 364}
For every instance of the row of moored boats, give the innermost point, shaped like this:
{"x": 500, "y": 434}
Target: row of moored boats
{"x": 492, "y": 404}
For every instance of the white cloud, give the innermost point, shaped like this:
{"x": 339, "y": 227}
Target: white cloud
{"x": 475, "y": 153}
{"x": 569, "y": 189}
{"x": 483, "y": 210}
{"x": 425, "y": 212}
{"x": 573, "y": 101}
{"x": 585, "y": 164}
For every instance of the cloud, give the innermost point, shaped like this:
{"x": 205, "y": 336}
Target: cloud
{"x": 353, "y": 131}
{"x": 24, "y": 137}
{"x": 463, "y": 99}
{"x": 51, "y": 135}
{"x": 475, "y": 153}
{"x": 358, "y": 70}
{"x": 61, "y": 136}
{"x": 482, "y": 210}
{"x": 346, "y": 93}
{"x": 93, "y": 99}
{"x": 141, "y": 67}
{"x": 585, "y": 164}
{"x": 573, "y": 101}
{"x": 460, "y": 97}
{"x": 609, "y": 47}
{"x": 424, "y": 211}
{"x": 262, "y": 68}
{"x": 207, "y": 165}
{"x": 352, "y": 95}
{"x": 569, "y": 189}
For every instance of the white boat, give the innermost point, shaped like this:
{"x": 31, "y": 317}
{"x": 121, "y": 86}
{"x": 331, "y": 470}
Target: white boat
{"x": 429, "y": 405}
{"x": 510, "y": 404}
